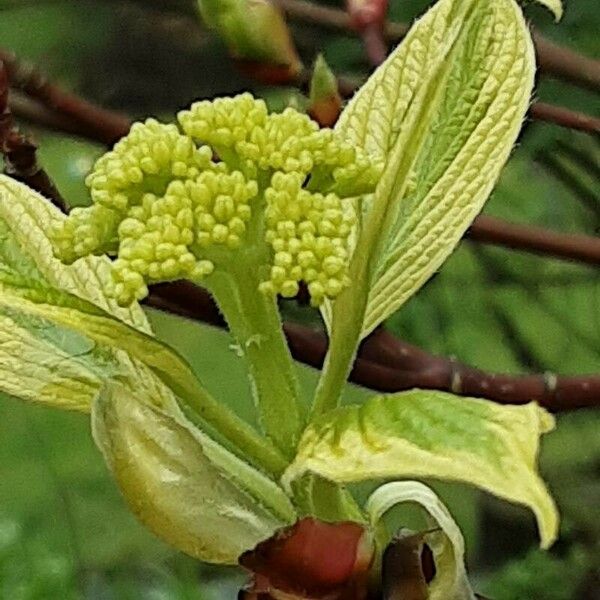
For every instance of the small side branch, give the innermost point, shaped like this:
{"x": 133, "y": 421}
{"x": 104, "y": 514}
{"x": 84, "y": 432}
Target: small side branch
{"x": 20, "y": 152}
{"x": 105, "y": 125}
{"x": 541, "y": 111}
{"x": 580, "y": 248}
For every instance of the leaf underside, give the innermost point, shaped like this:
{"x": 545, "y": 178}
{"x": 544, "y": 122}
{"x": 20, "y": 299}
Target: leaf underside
{"x": 182, "y": 485}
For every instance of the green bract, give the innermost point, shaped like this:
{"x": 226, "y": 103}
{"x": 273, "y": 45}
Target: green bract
{"x": 250, "y": 205}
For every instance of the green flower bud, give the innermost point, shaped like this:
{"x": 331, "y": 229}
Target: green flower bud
{"x": 146, "y": 160}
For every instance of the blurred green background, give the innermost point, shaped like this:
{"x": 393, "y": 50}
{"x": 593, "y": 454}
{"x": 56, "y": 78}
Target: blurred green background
{"x": 64, "y": 530}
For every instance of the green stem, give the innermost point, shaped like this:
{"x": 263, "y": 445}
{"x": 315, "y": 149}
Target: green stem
{"x": 235, "y": 434}
{"x": 348, "y": 316}
{"x": 254, "y": 321}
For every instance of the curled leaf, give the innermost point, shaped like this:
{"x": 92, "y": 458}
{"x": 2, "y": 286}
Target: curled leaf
{"x": 447, "y": 545}
{"x": 438, "y": 435}
{"x": 182, "y": 485}
{"x": 554, "y": 6}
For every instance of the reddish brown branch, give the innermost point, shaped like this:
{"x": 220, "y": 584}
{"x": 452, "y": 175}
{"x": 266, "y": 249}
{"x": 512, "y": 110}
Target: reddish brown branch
{"x": 541, "y": 111}
{"x": 368, "y": 18}
{"x": 374, "y": 42}
{"x": 580, "y": 248}
{"x": 20, "y": 152}
{"x": 387, "y": 364}
{"x": 553, "y": 60}
{"x": 105, "y": 125}
{"x": 566, "y": 64}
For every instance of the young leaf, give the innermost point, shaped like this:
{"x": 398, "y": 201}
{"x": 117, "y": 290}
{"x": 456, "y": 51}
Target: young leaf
{"x": 554, "y": 6}
{"x": 254, "y": 31}
{"x": 41, "y": 362}
{"x": 317, "y": 497}
{"x": 434, "y": 434}
{"x": 181, "y": 484}
{"x": 448, "y": 547}
{"x": 26, "y": 254}
{"x": 444, "y": 110}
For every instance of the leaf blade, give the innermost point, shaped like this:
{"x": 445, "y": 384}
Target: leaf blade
{"x": 437, "y": 176}
{"x": 469, "y": 160}
{"x": 27, "y": 218}
{"x": 434, "y": 434}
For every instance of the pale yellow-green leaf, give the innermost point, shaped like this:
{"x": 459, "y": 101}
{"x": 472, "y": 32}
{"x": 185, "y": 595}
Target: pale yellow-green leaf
{"x": 182, "y": 485}
{"x": 438, "y": 435}
{"x": 43, "y": 362}
{"x": 40, "y": 362}
{"x": 26, "y": 254}
{"x": 554, "y": 6}
{"x": 444, "y": 110}
{"x": 447, "y": 544}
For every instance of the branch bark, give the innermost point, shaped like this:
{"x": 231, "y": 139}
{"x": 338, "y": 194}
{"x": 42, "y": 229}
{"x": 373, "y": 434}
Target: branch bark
{"x": 105, "y": 125}
{"x": 541, "y": 111}
{"x": 580, "y": 248}
{"x": 20, "y": 151}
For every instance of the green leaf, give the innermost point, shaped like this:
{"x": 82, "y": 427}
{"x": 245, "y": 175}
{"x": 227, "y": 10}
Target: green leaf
{"x": 434, "y": 434}
{"x": 317, "y": 497}
{"x": 444, "y": 110}
{"x": 448, "y": 547}
{"x": 182, "y": 485}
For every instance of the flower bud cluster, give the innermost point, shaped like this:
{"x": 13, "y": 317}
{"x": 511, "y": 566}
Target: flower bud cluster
{"x": 170, "y": 237}
{"x": 222, "y": 207}
{"x": 309, "y": 235}
{"x": 170, "y": 209}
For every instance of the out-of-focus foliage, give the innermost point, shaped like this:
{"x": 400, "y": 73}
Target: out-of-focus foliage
{"x": 65, "y": 532}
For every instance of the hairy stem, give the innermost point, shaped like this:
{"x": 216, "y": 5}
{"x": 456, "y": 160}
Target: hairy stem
{"x": 253, "y": 319}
